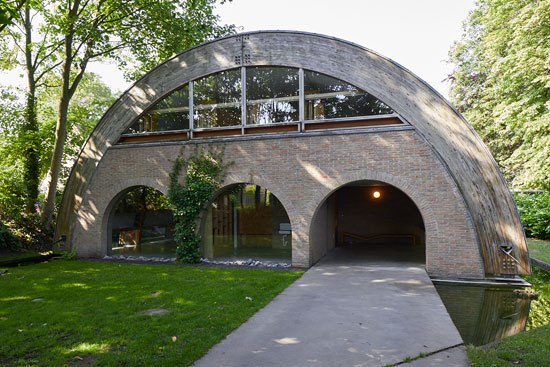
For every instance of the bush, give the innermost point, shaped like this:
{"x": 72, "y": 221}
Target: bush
{"x": 8, "y": 241}
{"x": 26, "y": 232}
{"x": 534, "y": 210}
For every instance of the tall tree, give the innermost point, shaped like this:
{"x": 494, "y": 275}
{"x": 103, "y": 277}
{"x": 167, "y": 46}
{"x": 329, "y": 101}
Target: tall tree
{"x": 501, "y": 83}
{"x": 144, "y": 31}
{"x": 38, "y": 58}
{"x": 88, "y": 104}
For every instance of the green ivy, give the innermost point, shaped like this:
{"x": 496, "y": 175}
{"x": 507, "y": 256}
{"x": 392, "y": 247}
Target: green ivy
{"x": 204, "y": 172}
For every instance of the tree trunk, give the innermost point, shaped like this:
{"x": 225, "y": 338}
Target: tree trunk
{"x": 67, "y": 92}
{"x": 59, "y": 145}
{"x": 30, "y": 129}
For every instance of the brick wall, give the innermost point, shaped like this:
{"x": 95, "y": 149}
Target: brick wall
{"x": 302, "y": 172}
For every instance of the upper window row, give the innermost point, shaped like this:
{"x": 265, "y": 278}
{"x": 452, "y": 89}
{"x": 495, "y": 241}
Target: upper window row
{"x": 270, "y": 94}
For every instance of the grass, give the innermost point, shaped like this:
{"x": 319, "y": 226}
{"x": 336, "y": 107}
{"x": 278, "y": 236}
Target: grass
{"x": 71, "y": 313}
{"x": 539, "y": 249}
{"x": 527, "y": 349}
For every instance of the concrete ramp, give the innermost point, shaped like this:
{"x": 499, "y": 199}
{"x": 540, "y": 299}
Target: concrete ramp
{"x": 347, "y": 311}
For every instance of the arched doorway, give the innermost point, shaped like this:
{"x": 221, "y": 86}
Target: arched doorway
{"x": 246, "y": 221}
{"x": 373, "y": 219}
{"x": 141, "y": 224}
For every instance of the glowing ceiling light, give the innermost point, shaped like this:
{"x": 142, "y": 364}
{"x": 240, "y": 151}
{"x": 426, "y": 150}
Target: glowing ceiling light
{"x": 376, "y": 194}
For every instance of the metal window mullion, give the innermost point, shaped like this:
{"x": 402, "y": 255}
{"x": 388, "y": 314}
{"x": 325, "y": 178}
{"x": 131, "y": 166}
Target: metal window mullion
{"x": 191, "y": 125}
{"x": 243, "y": 99}
{"x": 301, "y": 104}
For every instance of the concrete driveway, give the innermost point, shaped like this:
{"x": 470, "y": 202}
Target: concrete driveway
{"x": 351, "y": 309}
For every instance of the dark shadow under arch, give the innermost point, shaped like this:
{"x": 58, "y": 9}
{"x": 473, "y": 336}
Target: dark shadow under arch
{"x": 372, "y": 217}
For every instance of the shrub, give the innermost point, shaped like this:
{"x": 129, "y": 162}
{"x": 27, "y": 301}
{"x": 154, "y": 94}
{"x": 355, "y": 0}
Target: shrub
{"x": 534, "y": 210}
{"x": 8, "y": 241}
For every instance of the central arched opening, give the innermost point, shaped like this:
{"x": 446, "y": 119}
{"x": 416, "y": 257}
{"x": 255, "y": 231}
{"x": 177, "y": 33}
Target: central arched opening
{"x": 246, "y": 221}
{"x": 371, "y": 219}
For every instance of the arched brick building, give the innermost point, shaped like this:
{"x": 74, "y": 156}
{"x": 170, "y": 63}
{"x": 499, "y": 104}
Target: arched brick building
{"x": 331, "y": 143}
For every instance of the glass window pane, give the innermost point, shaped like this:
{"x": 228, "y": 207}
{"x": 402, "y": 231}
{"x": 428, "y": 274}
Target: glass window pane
{"x": 171, "y": 113}
{"x": 247, "y": 221}
{"x": 142, "y": 224}
{"x": 327, "y": 98}
{"x": 217, "y": 100}
{"x": 271, "y": 95}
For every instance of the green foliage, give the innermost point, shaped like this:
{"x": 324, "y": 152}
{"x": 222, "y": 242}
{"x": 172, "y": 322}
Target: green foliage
{"x": 501, "y": 84}
{"x": 85, "y": 109}
{"x": 204, "y": 172}
{"x": 69, "y": 255}
{"x": 539, "y": 313}
{"x": 534, "y": 210}
{"x": 8, "y": 240}
{"x": 87, "y": 106}
{"x": 28, "y": 231}
{"x": 8, "y": 10}
{"x": 96, "y": 311}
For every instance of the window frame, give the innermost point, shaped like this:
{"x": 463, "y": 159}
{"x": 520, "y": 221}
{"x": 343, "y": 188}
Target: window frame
{"x": 301, "y": 123}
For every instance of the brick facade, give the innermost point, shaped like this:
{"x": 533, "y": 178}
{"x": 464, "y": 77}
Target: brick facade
{"x": 302, "y": 172}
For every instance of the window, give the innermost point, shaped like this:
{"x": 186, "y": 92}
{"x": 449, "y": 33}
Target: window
{"x": 272, "y": 95}
{"x": 247, "y": 221}
{"x": 142, "y": 224}
{"x": 171, "y": 113}
{"x": 217, "y": 100}
{"x": 327, "y": 98}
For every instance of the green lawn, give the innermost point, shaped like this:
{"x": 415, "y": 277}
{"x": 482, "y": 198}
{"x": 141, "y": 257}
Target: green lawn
{"x": 73, "y": 313}
{"x": 527, "y": 349}
{"x": 539, "y": 249}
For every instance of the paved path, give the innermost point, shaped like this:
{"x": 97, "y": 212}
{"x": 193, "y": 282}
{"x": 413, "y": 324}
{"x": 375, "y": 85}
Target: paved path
{"x": 348, "y": 310}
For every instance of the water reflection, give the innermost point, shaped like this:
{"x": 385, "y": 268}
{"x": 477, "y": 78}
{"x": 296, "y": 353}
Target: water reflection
{"x": 484, "y": 314}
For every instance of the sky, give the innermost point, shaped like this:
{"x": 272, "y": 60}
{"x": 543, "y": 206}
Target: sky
{"x": 414, "y": 33}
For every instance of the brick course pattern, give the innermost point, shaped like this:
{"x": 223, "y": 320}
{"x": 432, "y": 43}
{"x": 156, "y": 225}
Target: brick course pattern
{"x": 302, "y": 172}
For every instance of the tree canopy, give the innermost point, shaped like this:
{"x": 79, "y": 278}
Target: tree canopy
{"x": 56, "y": 40}
{"x": 501, "y": 84}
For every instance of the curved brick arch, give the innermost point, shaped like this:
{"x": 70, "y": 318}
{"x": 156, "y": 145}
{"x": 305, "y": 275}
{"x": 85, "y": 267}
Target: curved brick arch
{"x": 434, "y": 215}
{"x": 472, "y": 172}
{"x": 235, "y": 179}
{"x": 94, "y": 219}
{"x": 425, "y": 209}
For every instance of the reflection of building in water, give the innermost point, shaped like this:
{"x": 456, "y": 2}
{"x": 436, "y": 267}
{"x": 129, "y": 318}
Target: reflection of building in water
{"x": 483, "y": 315}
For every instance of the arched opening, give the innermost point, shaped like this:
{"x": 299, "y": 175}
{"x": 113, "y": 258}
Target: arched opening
{"x": 141, "y": 224}
{"x": 246, "y": 221}
{"x": 373, "y": 219}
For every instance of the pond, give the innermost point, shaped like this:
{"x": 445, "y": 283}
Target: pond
{"x": 484, "y": 314}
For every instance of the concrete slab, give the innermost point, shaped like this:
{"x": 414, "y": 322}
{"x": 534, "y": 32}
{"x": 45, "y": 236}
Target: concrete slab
{"x": 345, "y": 311}
{"x": 454, "y": 357}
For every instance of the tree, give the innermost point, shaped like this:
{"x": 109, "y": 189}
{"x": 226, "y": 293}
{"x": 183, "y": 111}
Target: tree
{"x": 11, "y": 148}
{"x": 38, "y": 59}
{"x": 145, "y": 31}
{"x": 88, "y": 104}
{"x": 501, "y": 83}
